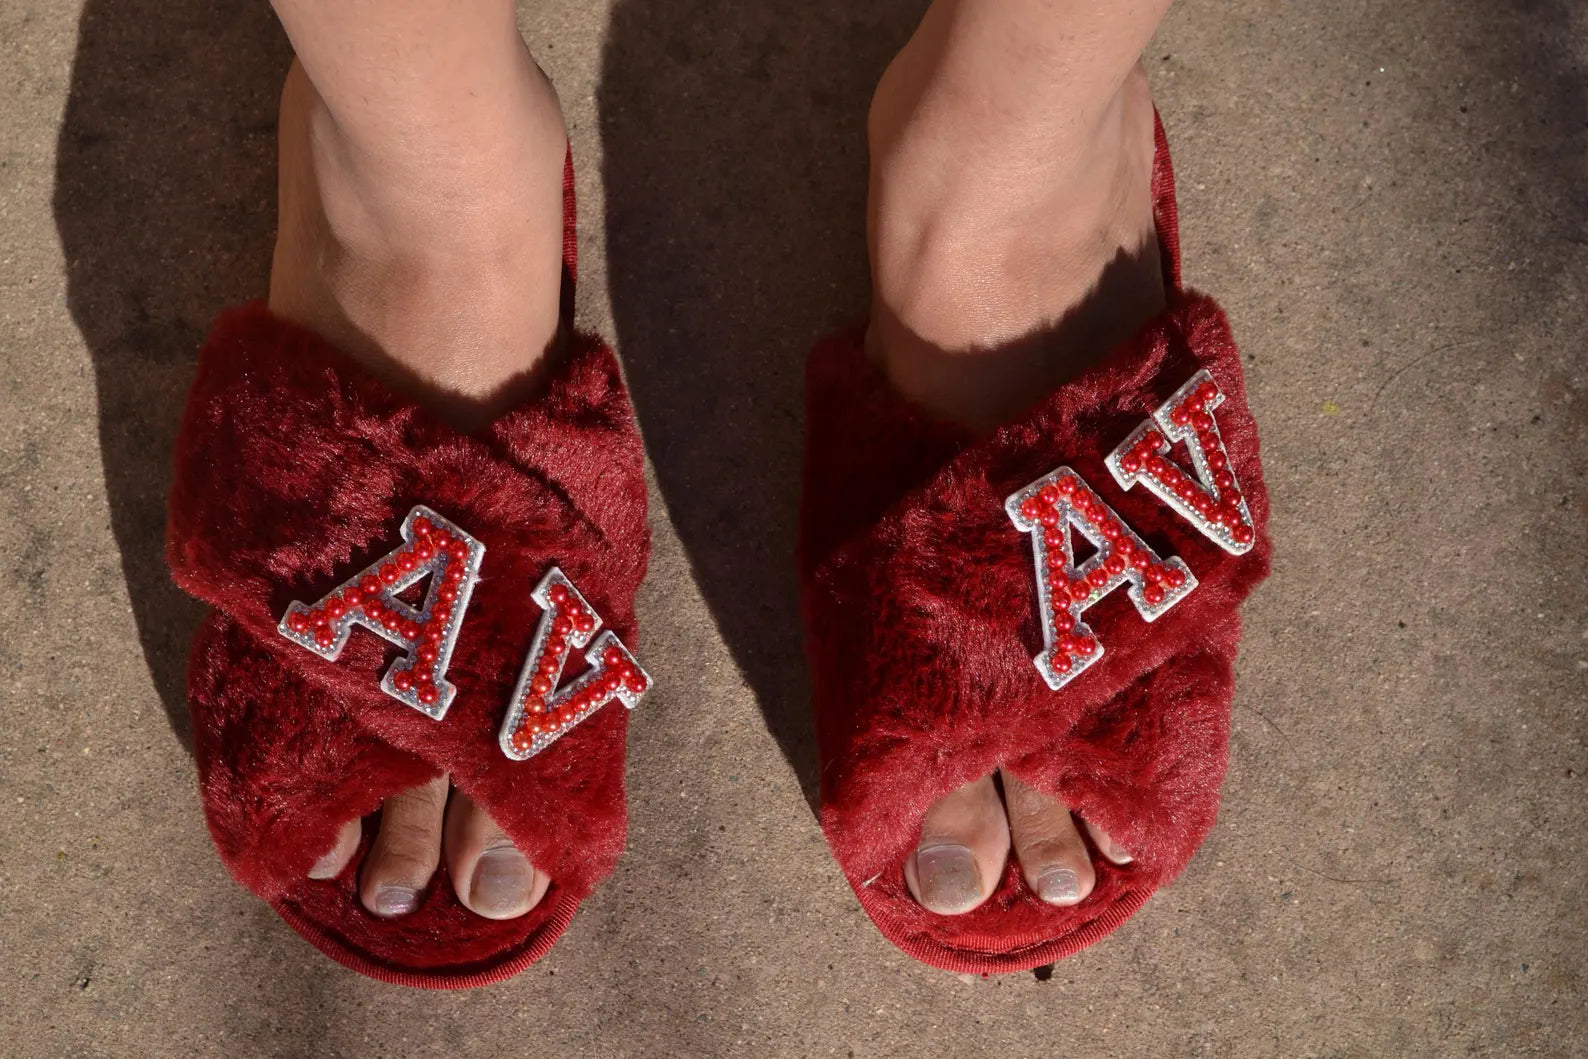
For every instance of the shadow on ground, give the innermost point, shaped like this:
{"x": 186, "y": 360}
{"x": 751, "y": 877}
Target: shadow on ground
{"x": 165, "y": 199}
{"x": 735, "y": 171}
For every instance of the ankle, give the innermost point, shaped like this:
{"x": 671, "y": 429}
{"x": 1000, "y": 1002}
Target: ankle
{"x": 434, "y": 255}
{"x": 1001, "y": 269}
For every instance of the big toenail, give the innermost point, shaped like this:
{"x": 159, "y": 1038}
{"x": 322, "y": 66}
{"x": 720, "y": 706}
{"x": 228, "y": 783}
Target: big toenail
{"x": 502, "y": 881}
{"x": 395, "y": 900}
{"x": 1059, "y": 886}
{"x": 948, "y": 878}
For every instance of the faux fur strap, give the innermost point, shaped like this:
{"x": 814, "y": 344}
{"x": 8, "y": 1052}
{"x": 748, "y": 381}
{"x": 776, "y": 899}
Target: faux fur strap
{"x": 922, "y": 621}
{"x": 294, "y": 468}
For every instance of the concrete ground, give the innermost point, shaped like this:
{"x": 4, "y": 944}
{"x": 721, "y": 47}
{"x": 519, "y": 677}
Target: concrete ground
{"x": 1390, "y": 199}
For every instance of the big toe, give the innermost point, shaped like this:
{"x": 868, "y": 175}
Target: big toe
{"x": 406, "y": 851}
{"x": 964, "y": 844}
{"x": 492, "y": 877}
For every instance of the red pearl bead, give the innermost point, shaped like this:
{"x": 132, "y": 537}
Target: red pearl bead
{"x": 428, "y": 694}
{"x": 612, "y": 656}
{"x": 1030, "y": 509}
{"x": 369, "y": 585}
{"x": 317, "y": 617}
{"x": 1049, "y": 517}
{"x": 557, "y": 644}
{"x": 387, "y": 573}
{"x": 1202, "y": 421}
{"x": 1130, "y": 463}
{"x": 402, "y": 680}
{"x": 324, "y": 636}
{"x": 1061, "y": 662}
{"x": 1207, "y": 391}
{"x": 1112, "y": 531}
{"x": 1048, "y": 496}
{"x": 447, "y": 593}
{"x": 1083, "y": 646}
{"x": 1067, "y": 486}
{"x": 458, "y": 550}
{"x": 1180, "y": 416}
{"x": 426, "y": 652}
{"x": 1098, "y": 577}
{"x": 391, "y": 621}
{"x": 297, "y": 623}
{"x": 1175, "y": 577}
{"x": 1153, "y": 594}
{"x": 636, "y": 681}
{"x": 558, "y": 593}
{"x": 406, "y": 562}
{"x": 1217, "y": 460}
{"x": 424, "y": 551}
{"x": 1080, "y": 591}
{"x": 1224, "y": 480}
{"x": 1114, "y": 565}
{"x": 585, "y": 622}
{"x": 540, "y": 686}
{"x": 422, "y": 527}
{"x": 563, "y": 625}
{"x": 611, "y": 682}
{"x": 1244, "y": 534}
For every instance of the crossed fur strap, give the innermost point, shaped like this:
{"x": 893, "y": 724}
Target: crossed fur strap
{"x": 926, "y": 611}
{"x": 295, "y": 471}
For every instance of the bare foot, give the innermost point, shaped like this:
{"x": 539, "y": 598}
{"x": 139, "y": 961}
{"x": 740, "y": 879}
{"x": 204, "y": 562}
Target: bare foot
{"x": 1012, "y": 244}
{"x": 426, "y": 240}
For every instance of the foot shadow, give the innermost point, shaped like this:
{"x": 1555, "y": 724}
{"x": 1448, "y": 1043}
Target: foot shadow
{"x": 735, "y": 177}
{"x": 165, "y": 204}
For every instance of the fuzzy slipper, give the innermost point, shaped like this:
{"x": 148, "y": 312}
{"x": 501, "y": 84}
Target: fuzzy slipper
{"x": 328, "y": 520}
{"x": 954, "y": 625}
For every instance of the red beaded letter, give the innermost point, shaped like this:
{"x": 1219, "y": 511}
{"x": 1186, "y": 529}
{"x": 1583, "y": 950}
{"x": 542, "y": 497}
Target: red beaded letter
{"x": 1046, "y": 509}
{"x": 1216, "y": 507}
{"x": 436, "y": 549}
{"x": 540, "y": 714}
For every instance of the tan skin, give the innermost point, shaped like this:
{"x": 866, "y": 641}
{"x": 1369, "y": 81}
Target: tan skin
{"x": 421, "y": 155}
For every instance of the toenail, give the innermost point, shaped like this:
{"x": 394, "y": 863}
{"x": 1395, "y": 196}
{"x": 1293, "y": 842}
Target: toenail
{"x": 503, "y": 879}
{"x": 327, "y": 866}
{"x": 395, "y": 900}
{"x": 948, "y": 878}
{"x": 1059, "y": 886}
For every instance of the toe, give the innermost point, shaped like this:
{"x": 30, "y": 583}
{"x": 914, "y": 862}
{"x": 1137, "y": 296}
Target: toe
{"x": 493, "y": 879}
{"x": 964, "y": 845}
{"x": 1052, "y": 855}
{"x": 406, "y": 850}
{"x": 335, "y": 859}
{"x": 1106, "y": 845}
